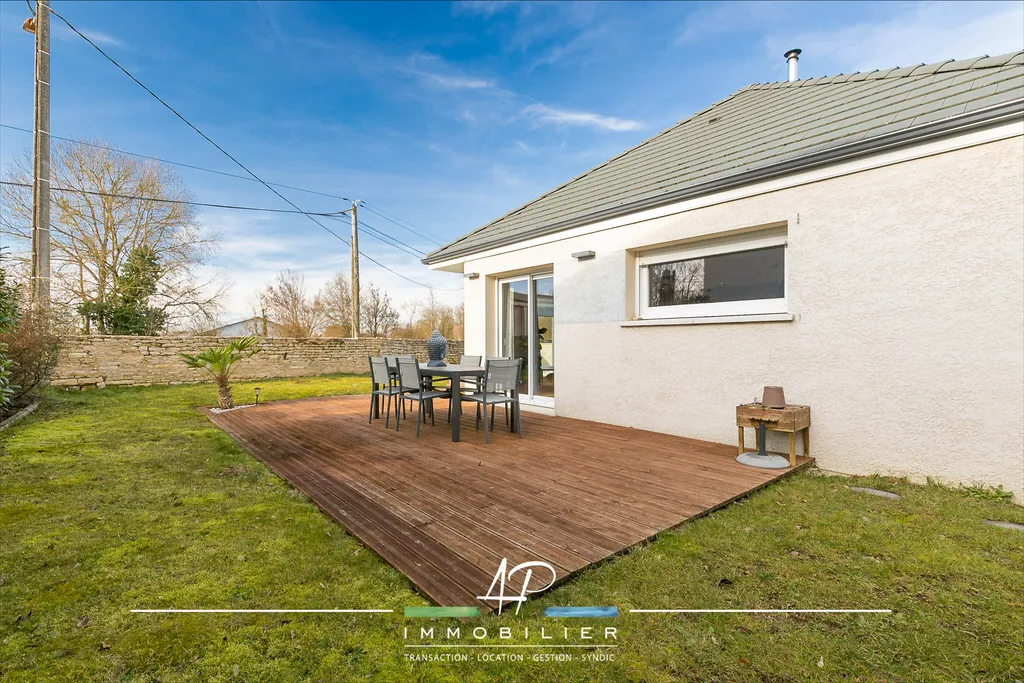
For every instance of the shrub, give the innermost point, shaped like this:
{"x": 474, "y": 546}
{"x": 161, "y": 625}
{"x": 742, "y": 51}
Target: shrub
{"x": 33, "y": 349}
{"x": 218, "y": 363}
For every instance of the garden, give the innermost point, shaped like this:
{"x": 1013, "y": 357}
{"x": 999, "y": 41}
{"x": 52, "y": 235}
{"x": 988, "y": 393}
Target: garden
{"x": 128, "y": 498}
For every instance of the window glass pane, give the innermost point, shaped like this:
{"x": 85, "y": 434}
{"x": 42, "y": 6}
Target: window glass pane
{"x": 515, "y": 331}
{"x": 544, "y": 303}
{"x": 737, "y": 276}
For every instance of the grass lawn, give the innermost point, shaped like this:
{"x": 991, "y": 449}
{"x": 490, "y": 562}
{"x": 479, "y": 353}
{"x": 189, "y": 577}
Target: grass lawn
{"x": 128, "y": 498}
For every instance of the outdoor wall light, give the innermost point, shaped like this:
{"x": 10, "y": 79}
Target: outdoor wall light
{"x": 583, "y": 255}
{"x": 471, "y": 276}
{"x": 257, "y": 390}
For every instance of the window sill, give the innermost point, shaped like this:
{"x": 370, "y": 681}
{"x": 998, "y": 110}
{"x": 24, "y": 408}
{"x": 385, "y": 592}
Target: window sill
{"x": 713, "y": 320}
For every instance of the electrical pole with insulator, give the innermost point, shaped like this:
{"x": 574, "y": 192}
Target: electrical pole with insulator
{"x": 355, "y": 271}
{"x": 40, "y": 275}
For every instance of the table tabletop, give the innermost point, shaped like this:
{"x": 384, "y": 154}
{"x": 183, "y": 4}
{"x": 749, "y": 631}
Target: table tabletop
{"x": 451, "y": 370}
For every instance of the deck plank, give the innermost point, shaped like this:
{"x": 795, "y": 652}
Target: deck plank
{"x": 570, "y": 493}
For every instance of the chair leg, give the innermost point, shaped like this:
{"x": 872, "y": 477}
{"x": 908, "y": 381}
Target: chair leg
{"x": 519, "y": 419}
{"x": 449, "y": 410}
{"x": 487, "y": 438}
{"x": 478, "y": 417}
{"x": 373, "y": 397}
{"x": 419, "y": 417}
{"x": 387, "y": 413}
{"x": 492, "y": 418}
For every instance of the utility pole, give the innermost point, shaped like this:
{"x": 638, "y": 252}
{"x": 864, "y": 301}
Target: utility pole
{"x": 40, "y": 293}
{"x": 355, "y": 271}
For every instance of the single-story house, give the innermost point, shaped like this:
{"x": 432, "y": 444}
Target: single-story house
{"x": 243, "y": 328}
{"x": 856, "y": 239}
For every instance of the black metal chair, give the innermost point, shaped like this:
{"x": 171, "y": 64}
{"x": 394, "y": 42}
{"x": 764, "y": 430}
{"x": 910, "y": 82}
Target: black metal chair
{"x": 410, "y": 381}
{"x": 500, "y": 387}
{"x": 383, "y": 385}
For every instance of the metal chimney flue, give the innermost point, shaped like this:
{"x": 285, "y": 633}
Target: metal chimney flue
{"x": 792, "y": 57}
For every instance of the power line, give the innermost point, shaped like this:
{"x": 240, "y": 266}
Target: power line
{"x": 171, "y": 201}
{"x": 419, "y": 253}
{"x": 387, "y": 239}
{"x": 409, "y": 227}
{"x": 177, "y": 163}
{"x": 401, "y": 222}
{"x": 221, "y": 149}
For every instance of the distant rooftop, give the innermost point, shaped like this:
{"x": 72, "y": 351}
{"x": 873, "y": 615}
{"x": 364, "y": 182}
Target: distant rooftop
{"x": 759, "y": 126}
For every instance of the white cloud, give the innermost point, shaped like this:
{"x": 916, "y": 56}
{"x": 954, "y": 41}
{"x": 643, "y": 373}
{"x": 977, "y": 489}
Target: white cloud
{"x": 61, "y": 32}
{"x": 435, "y": 71}
{"x": 485, "y": 8}
{"x": 543, "y": 114}
{"x": 928, "y": 32}
{"x": 253, "y": 250}
{"x": 578, "y": 48}
{"x": 457, "y": 82}
{"x": 103, "y": 38}
{"x": 710, "y": 21}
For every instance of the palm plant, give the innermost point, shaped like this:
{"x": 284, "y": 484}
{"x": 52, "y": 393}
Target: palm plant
{"x": 218, "y": 363}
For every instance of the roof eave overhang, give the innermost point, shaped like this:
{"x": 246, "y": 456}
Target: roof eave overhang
{"x": 909, "y": 136}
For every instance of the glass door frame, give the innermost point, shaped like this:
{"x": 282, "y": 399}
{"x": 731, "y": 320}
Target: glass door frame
{"x": 532, "y": 342}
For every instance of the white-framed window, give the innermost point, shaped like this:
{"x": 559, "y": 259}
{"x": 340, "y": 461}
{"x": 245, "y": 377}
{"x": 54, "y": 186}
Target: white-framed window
{"x": 740, "y": 275}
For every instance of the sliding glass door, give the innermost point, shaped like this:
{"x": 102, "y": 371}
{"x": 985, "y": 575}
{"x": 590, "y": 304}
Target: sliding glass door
{"x": 526, "y": 330}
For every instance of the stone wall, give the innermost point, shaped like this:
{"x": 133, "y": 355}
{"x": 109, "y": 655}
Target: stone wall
{"x": 101, "y": 360}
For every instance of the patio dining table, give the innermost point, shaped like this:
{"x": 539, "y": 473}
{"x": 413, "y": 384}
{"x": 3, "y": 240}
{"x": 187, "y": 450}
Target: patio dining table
{"x": 455, "y": 373}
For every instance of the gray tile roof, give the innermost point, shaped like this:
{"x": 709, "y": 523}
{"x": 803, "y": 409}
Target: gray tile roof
{"x": 759, "y": 126}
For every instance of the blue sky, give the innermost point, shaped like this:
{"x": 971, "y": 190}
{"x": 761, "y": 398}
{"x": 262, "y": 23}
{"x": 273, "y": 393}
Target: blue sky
{"x": 446, "y": 115}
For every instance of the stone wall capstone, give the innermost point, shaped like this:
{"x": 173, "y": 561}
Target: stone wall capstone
{"x": 100, "y": 360}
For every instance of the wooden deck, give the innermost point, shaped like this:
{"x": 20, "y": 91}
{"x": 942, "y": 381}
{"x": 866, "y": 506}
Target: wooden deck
{"x": 571, "y": 493}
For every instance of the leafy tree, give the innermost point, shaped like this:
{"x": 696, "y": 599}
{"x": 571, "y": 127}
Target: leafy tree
{"x": 126, "y": 309}
{"x": 218, "y": 363}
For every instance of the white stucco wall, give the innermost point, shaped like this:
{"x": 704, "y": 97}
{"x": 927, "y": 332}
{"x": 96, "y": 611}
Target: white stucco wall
{"x": 907, "y": 286}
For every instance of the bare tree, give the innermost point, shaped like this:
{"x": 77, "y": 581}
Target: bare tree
{"x": 440, "y": 317}
{"x": 378, "y": 314}
{"x": 105, "y": 205}
{"x": 291, "y": 306}
{"x": 426, "y": 316}
{"x": 335, "y": 299}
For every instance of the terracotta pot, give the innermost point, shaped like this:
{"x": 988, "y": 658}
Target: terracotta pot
{"x": 773, "y": 397}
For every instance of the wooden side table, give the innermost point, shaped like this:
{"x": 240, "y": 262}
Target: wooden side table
{"x": 791, "y": 419}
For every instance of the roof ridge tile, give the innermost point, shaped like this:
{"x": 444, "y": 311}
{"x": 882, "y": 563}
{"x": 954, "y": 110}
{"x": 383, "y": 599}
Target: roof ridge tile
{"x": 921, "y": 69}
